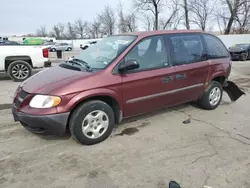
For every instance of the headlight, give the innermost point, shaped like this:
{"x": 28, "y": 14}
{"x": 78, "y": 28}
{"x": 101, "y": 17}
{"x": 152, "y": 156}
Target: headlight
{"x": 44, "y": 101}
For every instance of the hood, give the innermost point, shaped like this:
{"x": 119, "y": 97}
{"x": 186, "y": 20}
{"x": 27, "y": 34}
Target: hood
{"x": 50, "y": 79}
{"x": 237, "y": 49}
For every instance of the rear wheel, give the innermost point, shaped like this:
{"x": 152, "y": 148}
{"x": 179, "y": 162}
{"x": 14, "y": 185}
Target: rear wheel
{"x": 243, "y": 57}
{"x": 53, "y": 49}
{"x": 69, "y": 49}
{"x": 211, "y": 98}
{"x": 19, "y": 70}
{"x": 92, "y": 122}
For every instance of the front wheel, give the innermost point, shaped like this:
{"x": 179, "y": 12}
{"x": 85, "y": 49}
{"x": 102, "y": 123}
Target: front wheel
{"x": 69, "y": 49}
{"x": 19, "y": 70}
{"x": 92, "y": 122}
{"x": 211, "y": 98}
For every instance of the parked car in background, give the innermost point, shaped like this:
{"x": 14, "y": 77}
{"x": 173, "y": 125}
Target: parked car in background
{"x": 19, "y": 60}
{"x": 123, "y": 76}
{"x": 49, "y": 44}
{"x": 86, "y": 45}
{"x": 9, "y": 42}
{"x": 61, "y": 46}
{"x": 240, "y": 52}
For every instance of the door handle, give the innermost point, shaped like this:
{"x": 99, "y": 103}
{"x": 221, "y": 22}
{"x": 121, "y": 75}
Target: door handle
{"x": 167, "y": 79}
{"x": 180, "y": 76}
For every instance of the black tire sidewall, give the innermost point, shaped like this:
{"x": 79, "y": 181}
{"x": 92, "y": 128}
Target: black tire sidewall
{"x": 53, "y": 49}
{"x": 81, "y": 112}
{"x": 69, "y": 49}
{"x": 243, "y": 57}
{"x": 14, "y": 63}
{"x": 204, "y": 100}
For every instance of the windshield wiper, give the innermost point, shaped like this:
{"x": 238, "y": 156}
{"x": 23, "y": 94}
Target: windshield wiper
{"x": 80, "y": 63}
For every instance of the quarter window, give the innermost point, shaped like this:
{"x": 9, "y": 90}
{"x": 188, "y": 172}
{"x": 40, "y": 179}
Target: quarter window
{"x": 187, "y": 48}
{"x": 215, "y": 48}
{"x": 150, "y": 53}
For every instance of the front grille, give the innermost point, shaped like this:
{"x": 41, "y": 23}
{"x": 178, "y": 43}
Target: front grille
{"x": 20, "y": 97}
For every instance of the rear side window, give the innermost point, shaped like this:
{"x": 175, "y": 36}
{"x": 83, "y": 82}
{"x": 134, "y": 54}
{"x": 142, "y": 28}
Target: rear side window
{"x": 187, "y": 48}
{"x": 215, "y": 48}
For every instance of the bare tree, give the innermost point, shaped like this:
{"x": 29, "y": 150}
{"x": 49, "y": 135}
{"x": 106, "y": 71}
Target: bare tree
{"x": 121, "y": 25}
{"x": 148, "y": 22}
{"x": 58, "y": 31}
{"x": 233, "y": 6}
{"x": 170, "y": 22}
{"x": 185, "y": 7}
{"x": 127, "y": 22}
{"x": 153, "y": 6}
{"x": 42, "y": 31}
{"x": 222, "y": 19}
{"x": 71, "y": 33}
{"x": 80, "y": 28}
{"x": 94, "y": 29}
{"x": 130, "y": 22}
{"x": 201, "y": 12}
{"x": 107, "y": 18}
{"x": 243, "y": 17}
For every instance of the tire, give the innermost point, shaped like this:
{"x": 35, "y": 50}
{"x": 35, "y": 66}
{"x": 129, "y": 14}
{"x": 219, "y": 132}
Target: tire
{"x": 84, "y": 48}
{"x": 243, "y": 57}
{"x": 80, "y": 116}
{"x": 205, "y": 101}
{"x": 69, "y": 49}
{"x": 53, "y": 49}
{"x": 15, "y": 66}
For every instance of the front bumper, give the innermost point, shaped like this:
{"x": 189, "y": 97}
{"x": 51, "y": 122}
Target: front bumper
{"x": 237, "y": 55}
{"x": 46, "y": 124}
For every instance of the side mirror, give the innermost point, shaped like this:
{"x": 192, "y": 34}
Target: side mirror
{"x": 128, "y": 65}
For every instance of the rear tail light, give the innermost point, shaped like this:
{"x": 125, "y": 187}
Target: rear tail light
{"x": 46, "y": 52}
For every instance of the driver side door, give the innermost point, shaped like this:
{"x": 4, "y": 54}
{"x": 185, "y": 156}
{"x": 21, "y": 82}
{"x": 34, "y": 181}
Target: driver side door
{"x": 147, "y": 88}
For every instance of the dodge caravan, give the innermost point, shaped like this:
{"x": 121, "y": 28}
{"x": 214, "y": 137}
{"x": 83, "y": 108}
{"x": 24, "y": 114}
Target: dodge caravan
{"x": 123, "y": 76}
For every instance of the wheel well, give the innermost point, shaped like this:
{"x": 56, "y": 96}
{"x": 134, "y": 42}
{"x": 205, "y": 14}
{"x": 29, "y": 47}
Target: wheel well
{"x": 107, "y": 99}
{"x": 10, "y": 59}
{"x": 220, "y": 79}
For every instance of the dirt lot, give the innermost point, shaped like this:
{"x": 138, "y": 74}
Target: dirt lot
{"x": 147, "y": 152}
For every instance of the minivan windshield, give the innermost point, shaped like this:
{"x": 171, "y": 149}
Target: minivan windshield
{"x": 100, "y": 55}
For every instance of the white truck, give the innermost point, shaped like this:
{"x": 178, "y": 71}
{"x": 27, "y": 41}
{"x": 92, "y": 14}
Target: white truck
{"x": 19, "y": 60}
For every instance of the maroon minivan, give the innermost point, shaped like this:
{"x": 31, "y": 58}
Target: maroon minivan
{"x": 123, "y": 76}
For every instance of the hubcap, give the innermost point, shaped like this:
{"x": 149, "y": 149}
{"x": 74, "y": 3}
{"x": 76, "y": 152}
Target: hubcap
{"x": 214, "y": 96}
{"x": 20, "y": 71}
{"x": 95, "y": 124}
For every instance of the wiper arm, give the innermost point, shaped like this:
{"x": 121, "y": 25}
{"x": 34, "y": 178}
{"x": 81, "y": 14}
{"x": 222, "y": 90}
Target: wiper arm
{"x": 80, "y": 63}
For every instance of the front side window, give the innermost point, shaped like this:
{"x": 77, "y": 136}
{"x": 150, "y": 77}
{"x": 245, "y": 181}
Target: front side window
{"x": 187, "y": 48}
{"x": 100, "y": 55}
{"x": 215, "y": 48}
{"x": 150, "y": 53}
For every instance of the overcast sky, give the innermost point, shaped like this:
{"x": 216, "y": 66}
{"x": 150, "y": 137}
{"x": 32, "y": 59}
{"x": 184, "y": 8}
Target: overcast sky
{"x": 25, "y": 16}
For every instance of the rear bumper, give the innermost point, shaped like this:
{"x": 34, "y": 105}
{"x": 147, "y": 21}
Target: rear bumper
{"x": 46, "y": 124}
{"x": 47, "y": 63}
